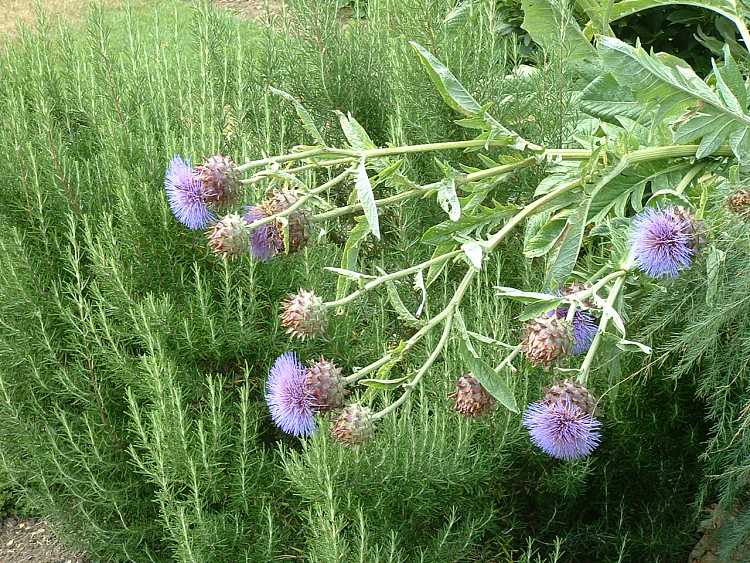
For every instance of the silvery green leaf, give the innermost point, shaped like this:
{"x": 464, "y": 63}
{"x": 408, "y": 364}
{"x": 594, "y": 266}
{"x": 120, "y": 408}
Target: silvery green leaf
{"x": 525, "y": 296}
{"x": 350, "y": 254}
{"x": 494, "y": 383}
{"x": 552, "y": 28}
{"x": 458, "y": 321}
{"x": 610, "y": 311}
{"x": 449, "y": 88}
{"x": 448, "y": 199}
{"x": 630, "y": 346}
{"x": 304, "y": 115}
{"x": 403, "y": 313}
{"x": 474, "y": 252}
{"x": 367, "y": 199}
{"x": 354, "y": 132}
{"x": 383, "y": 383}
{"x": 419, "y": 285}
{"x": 352, "y": 275}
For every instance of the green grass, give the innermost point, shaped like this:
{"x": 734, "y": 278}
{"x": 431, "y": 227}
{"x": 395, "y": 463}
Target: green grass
{"x": 132, "y": 362}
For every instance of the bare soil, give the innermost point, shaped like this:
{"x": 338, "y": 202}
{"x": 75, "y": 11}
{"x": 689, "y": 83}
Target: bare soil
{"x": 29, "y": 540}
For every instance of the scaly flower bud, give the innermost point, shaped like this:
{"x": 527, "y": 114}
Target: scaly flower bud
{"x": 303, "y": 314}
{"x": 739, "y": 203}
{"x": 229, "y": 237}
{"x": 354, "y": 425}
{"x": 471, "y": 399}
{"x": 325, "y": 385}
{"x": 297, "y": 221}
{"x": 221, "y": 181}
{"x": 547, "y": 340}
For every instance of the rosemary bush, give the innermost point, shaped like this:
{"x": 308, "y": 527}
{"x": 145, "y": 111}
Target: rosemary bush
{"x": 134, "y": 360}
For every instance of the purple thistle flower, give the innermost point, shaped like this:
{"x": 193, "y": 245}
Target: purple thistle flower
{"x": 561, "y": 429}
{"x": 265, "y": 241}
{"x": 185, "y": 195}
{"x": 662, "y": 242}
{"x": 584, "y": 328}
{"x": 289, "y": 403}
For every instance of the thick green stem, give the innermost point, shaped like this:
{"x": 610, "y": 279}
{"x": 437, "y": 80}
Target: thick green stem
{"x": 300, "y": 202}
{"x": 508, "y": 359}
{"x": 613, "y": 294}
{"x": 420, "y": 374}
{"x": 389, "y": 277}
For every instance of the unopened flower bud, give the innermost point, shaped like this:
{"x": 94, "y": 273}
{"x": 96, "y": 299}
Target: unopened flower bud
{"x": 470, "y": 398}
{"x": 221, "y": 181}
{"x": 354, "y": 425}
{"x": 325, "y": 386}
{"x": 229, "y": 237}
{"x": 547, "y": 340}
{"x": 303, "y": 314}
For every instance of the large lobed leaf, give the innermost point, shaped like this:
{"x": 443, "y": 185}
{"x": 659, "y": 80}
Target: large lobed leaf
{"x": 715, "y": 117}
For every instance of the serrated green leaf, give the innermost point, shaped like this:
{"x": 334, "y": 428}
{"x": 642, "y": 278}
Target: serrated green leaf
{"x": 568, "y": 245}
{"x": 606, "y": 99}
{"x": 383, "y": 383}
{"x": 351, "y": 254}
{"x": 367, "y": 198}
{"x": 674, "y": 87}
{"x": 449, "y": 88}
{"x": 354, "y": 132}
{"x": 732, "y": 9}
{"x": 437, "y": 268}
{"x": 545, "y": 238}
{"x": 458, "y": 15}
{"x": 493, "y": 382}
{"x": 304, "y": 115}
{"x": 552, "y": 29}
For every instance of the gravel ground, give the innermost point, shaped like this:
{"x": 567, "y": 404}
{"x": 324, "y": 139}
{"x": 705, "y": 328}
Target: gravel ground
{"x": 29, "y": 540}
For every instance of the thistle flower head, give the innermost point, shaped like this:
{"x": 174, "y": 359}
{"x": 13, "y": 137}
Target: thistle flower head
{"x": 739, "y": 203}
{"x": 561, "y": 429}
{"x": 354, "y": 425}
{"x": 229, "y": 236}
{"x": 289, "y": 403}
{"x": 325, "y": 385}
{"x": 185, "y": 194}
{"x": 547, "y": 340}
{"x": 471, "y": 399}
{"x": 221, "y": 181}
{"x": 303, "y": 314}
{"x": 584, "y": 328}
{"x": 297, "y": 221}
{"x": 663, "y": 241}
{"x": 265, "y": 241}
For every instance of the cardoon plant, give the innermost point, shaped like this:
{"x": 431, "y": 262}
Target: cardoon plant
{"x": 618, "y": 213}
